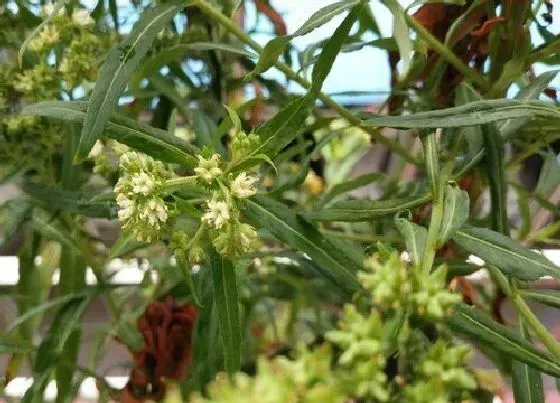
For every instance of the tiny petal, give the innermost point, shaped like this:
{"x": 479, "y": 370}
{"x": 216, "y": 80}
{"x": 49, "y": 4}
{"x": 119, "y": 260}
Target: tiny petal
{"x": 243, "y": 185}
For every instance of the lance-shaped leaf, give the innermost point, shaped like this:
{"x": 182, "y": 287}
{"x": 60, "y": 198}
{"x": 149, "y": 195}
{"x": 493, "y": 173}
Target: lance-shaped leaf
{"x": 331, "y": 49}
{"x": 456, "y": 207}
{"x": 347, "y": 186}
{"x": 338, "y": 262}
{"x": 526, "y": 381}
{"x": 73, "y": 202}
{"x": 278, "y": 132}
{"x": 472, "y": 113}
{"x": 483, "y": 330}
{"x": 504, "y": 253}
{"x": 224, "y": 283}
{"x": 149, "y": 140}
{"x": 53, "y": 345}
{"x": 401, "y": 34}
{"x": 531, "y": 91}
{"x": 414, "y": 236}
{"x": 275, "y": 47}
{"x": 120, "y": 63}
{"x": 365, "y": 210}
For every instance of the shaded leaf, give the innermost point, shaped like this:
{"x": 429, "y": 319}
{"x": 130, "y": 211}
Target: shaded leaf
{"x": 347, "y": 186}
{"x": 73, "y": 202}
{"x": 414, "y": 236}
{"x": 456, "y": 207}
{"x": 365, "y": 210}
{"x": 338, "y": 262}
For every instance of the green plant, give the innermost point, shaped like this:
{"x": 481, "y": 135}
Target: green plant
{"x": 302, "y": 292}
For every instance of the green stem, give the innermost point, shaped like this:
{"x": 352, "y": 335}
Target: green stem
{"x": 292, "y": 75}
{"x": 538, "y": 328}
{"x": 435, "y": 183}
{"x": 447, "y": 54}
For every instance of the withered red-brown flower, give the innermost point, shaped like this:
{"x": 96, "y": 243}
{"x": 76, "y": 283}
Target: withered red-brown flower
{"x": 167, "y": 328}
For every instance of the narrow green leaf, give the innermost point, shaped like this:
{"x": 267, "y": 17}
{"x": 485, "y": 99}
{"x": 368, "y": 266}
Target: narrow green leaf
{"x": 401, "y": 34}
{"x": 149, "y": 140}
{"x": 52, "y": 231}
{"x": 224, "y": 284}
{"x": 67, "y": 200}
{"x": 58, "y": 5}
{"x": 16, "y": 212}
{"x": 527, "y": 382}
{"x": 331, "y": 49}
{"x": 53, "y": 345}
{"x": 481, "y": 329}
{"x": 234, "y": 117}
{"x": 42, "y": 308}
{"x": 324, "y": 15}
{"x": 472, "y": 113}
{"x": 204, "y": 127}
{"x": 464, "y": 94}
{"x": 128, "y": 333}
{"x": 69, "y": 177}
{"x": 494, "y": 159}
{"x": 176, "y": 53}
{"x": 187, "y": 275}
{"x": 13, "y": 345}
{"x": 275, "y": 47}
{"x": 120, "y": 63}
{"x": 549, "y": 177}
{"x": 114, "y": 13}
{"x": 415, "y": 237}
{"x": 224, "y": 47}
{"x": 547, "y": 297}
{"x": 531, "y": 91}
{"x": 279, "y": 131}
{"x": 293, "y": 180}
{"x": 269, "y": 55}
{"x": 504, "y": 253}
{"x": 72, "y": 282}
{"x": 347, "y": 186}
{"x": 365, "y": 210}
{"x": 338, "y": 262}
{"x": 456, "y": 207}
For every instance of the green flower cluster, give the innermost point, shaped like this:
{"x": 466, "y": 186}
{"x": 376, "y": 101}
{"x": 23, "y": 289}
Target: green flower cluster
{"x": 139, "y": 193}
{"x": 394, "y": 286}
{"x": 362, "y": 363}
{"x": 441, "y": 376}
{"x": 64, "y": 55}
{"x": 308, "y": 379}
